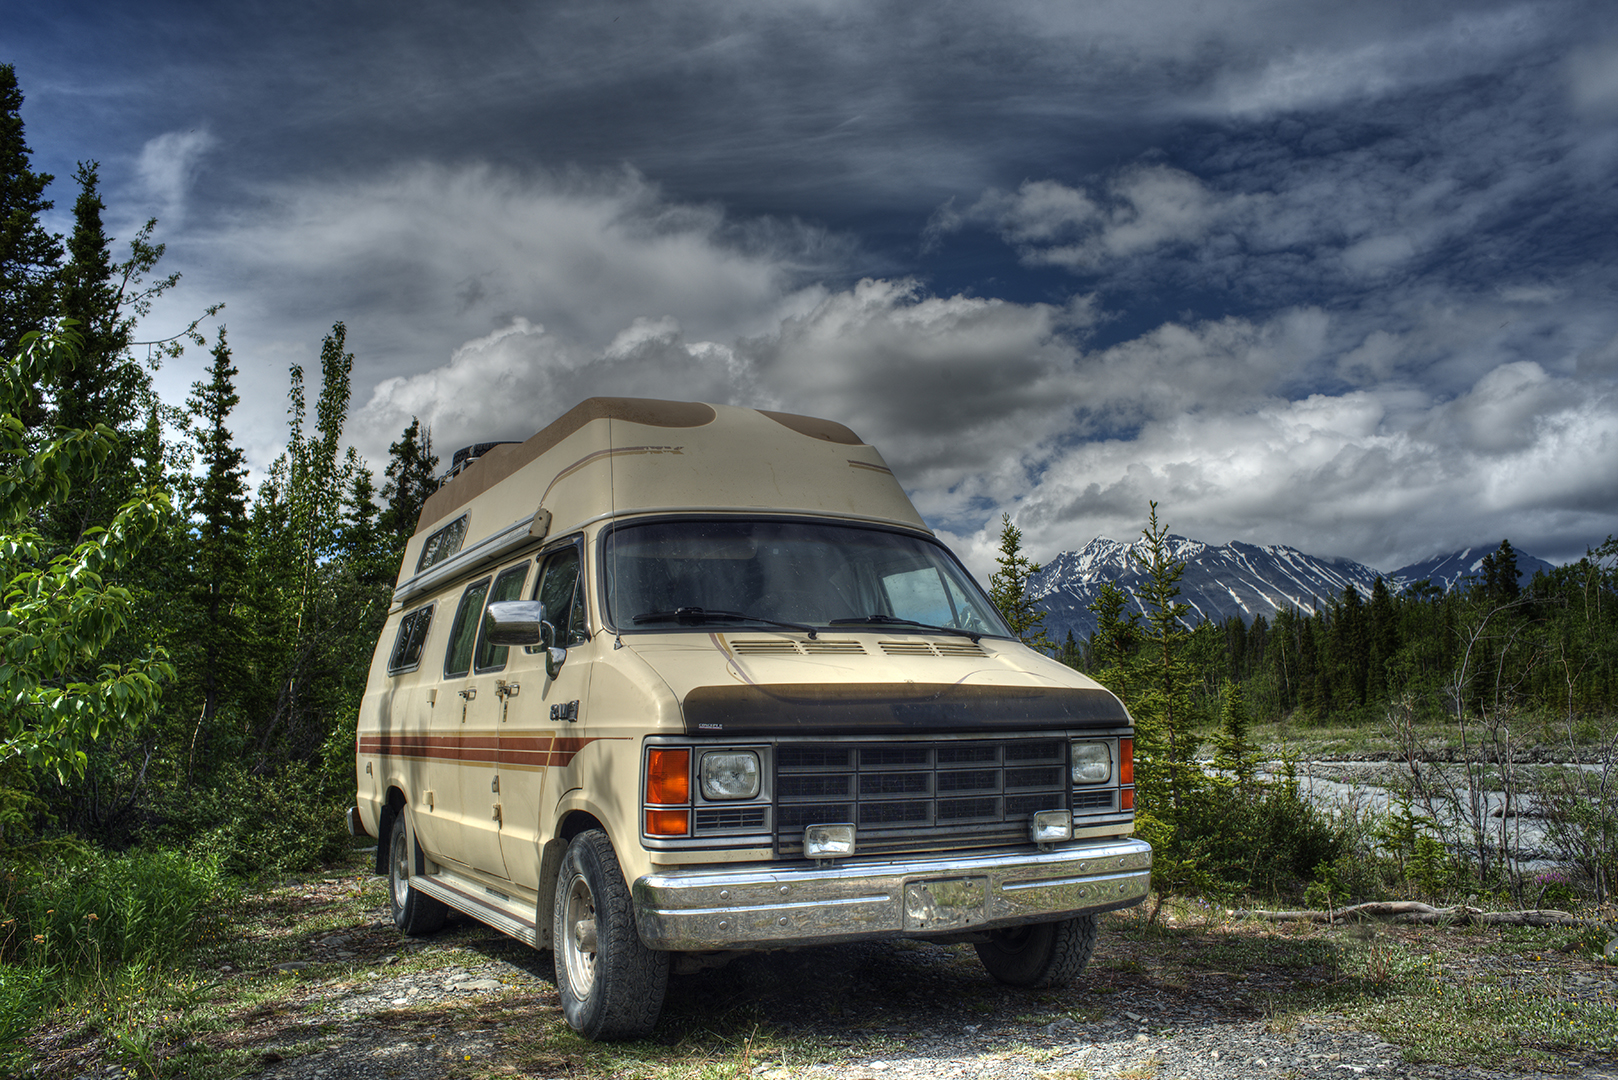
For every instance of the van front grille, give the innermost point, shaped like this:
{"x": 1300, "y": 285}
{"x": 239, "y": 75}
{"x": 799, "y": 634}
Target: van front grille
{"x": 921, "y": 795}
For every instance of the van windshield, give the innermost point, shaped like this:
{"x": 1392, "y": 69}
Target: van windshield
{"x": 802, "y": 575}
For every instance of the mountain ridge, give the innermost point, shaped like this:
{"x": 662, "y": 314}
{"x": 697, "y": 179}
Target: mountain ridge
{"x": 1238, "y": 578}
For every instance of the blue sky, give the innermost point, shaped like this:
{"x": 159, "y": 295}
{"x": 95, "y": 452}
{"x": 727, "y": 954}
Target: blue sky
{"x": 1335, "y": 276}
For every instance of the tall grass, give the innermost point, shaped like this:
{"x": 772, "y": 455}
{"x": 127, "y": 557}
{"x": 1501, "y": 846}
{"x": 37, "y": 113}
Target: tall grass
{"x": 103, "y": 931}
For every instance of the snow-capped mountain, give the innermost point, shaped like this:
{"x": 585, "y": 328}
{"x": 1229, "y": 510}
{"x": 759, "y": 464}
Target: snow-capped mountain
{"x": 1446, "y": 571}
{"x": 1240, "y": 579}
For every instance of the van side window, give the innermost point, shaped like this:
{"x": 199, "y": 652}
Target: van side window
{"x": 442, "y": 544}
{"x": 559, "y": 591}
{"x": 464, "y": 632}
{"x": 508, "y": 586}
{"x": 412, "y": 636}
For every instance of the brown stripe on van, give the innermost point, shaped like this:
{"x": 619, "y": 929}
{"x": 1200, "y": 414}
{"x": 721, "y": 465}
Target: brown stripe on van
{"x": 893, "y": 708}
{"x": 502, "y": 461}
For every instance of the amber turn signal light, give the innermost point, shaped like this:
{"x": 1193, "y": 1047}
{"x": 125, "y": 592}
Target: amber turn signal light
{"x": 668, "y": 777}
{"x": 668, "y": 822}
{"x": 1126, "y": 761}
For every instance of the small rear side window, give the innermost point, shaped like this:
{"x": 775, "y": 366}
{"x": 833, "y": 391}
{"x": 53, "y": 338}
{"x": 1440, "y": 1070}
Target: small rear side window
{"x": 412, "y": 636}
{"x": 442, "y": 544}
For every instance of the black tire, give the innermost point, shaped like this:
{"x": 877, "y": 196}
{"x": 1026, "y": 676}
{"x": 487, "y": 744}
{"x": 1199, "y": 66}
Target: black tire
{"x": 414, "y": 912}
{"x": 611, "y": 985}
{"x": 1041, "y": 955}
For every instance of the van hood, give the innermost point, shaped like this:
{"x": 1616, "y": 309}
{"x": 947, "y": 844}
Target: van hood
{"x": 762, "y": 684}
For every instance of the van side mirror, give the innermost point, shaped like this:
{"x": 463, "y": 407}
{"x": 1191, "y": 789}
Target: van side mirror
{"x": 514, "y": 622}
{"x": 522, "y": 622}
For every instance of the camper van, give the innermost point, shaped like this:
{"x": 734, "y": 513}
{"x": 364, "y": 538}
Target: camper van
{"x": 669, "y": 682}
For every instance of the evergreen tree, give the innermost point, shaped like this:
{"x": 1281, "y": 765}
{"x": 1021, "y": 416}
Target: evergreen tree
{"x": 1165, "y": 743}
{"x": 219, "y": 561}
{"x": 1114, "y": 646}
{"x": 104, "y": 385}
{"x": 1008, "y": 588}
{"x": 411, "y": 477}
{"x": 1234, "y": 751}
{"x": 1070, "y": 653}
{"x": 1499, "y": 581}
{"x": 29, "y": 256}
{"x": 1383, "y": 632}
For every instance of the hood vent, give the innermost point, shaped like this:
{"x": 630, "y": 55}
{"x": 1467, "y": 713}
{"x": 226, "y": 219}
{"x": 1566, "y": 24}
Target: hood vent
{"x": 783, "y": 647}
{"x": 923, "y": 648}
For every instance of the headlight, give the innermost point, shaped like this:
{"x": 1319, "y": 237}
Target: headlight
{"x": 1092, "y": 762}
{"x": 730, "y": 774}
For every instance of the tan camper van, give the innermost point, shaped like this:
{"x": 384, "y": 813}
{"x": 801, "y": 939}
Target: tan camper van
{"x": 670, "y": 681}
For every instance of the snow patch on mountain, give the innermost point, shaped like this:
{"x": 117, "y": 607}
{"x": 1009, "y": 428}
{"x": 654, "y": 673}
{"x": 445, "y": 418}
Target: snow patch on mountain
{"x": 1244, "y": 580}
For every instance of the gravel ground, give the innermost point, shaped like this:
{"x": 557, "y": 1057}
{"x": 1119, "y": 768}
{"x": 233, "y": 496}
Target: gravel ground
{"x": 459, "y": 1003}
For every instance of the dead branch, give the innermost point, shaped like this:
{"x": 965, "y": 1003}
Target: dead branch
{"x": 1411, "y": 911}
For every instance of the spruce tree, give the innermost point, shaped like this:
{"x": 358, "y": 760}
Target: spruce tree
{"x": 1165, "y": 743}
{"x": 105, "y": 385}
{"x": 411, "y": 478}
{"x": 219, "y": 561}
{"x": 1008, "y": 588}
{"x": 1234, "y": 752}
{"x": 29, "y": 256}
{"x": 1114, "y": 645}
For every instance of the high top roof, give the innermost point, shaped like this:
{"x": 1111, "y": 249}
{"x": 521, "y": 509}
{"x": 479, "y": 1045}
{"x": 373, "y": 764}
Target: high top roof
{"x": 616, "y": 456}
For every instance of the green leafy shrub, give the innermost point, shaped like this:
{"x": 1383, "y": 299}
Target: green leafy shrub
{"x": 289, "y": 821}
{"x": 1267, "y": 841}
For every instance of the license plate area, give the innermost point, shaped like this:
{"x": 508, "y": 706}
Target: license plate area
{"x": 946, "y": 903}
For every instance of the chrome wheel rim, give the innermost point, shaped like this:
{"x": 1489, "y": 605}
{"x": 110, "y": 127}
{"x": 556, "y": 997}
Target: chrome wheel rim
{"x": 581, "y": 961}
{"x": 399, "y": 848}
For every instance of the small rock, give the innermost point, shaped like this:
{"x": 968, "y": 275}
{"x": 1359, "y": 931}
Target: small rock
{"x": 1142, "y": 1037}
{"x": 1137, "y": 1017}
{"x": 293, "y": 965}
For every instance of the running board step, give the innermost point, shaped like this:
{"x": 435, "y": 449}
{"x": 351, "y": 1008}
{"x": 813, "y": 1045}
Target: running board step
{"x": 507, "y": 914}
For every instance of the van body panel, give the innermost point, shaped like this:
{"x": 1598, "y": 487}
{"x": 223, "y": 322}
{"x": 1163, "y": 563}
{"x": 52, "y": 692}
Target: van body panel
{"x": 846, "y": 684}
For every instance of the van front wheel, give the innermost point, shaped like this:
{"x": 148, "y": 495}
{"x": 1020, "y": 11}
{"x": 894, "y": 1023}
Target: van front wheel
{"x": 1041, "y": 955}
{"x": 611, "y": 985}
{"x": 413, "y": 912}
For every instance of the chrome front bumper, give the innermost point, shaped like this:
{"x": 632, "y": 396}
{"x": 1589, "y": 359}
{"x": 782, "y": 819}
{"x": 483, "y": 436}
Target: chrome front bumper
{"x": 771, "y": 907}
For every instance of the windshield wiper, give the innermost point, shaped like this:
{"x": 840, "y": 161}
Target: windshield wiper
{"x": 696, "y": 614}
{"x": 889, "y": 620}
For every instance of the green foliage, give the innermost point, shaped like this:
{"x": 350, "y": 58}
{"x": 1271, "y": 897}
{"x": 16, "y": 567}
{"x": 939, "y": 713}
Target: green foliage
{"x": 1167, "y": 776}
{"x": 1234, "y": 752}
{"x": 1115, "y": 647}
{"x": 29, "y": 256}
{"x": 1008, "y": 588}
{"x": 412, "y": 476}
{"x": 63, "y": 609}
{"x": 75, "y": 913}
{"x": 105, "y": 931}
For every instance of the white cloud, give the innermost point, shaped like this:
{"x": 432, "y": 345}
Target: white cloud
{"x": 1593, "y": 78}
{"x": 168, "y": 167}
{"x": 1311, "y": 76}
{"x": 1139, "y": 210}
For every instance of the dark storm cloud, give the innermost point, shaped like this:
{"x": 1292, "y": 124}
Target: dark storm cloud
{"x": 1332, "y": 275}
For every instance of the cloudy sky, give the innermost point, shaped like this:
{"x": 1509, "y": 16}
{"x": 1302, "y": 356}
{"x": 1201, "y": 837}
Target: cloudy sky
{"x": 1340, "y": 276}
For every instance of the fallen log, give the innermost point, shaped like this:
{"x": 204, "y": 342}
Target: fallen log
{"x": 1412, "y": 911}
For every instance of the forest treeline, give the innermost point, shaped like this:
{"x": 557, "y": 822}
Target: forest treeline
{"x": 183, "y": 655}
{"x": 1547, "y": 646}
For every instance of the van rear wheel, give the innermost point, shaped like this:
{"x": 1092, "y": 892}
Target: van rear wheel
{"x": 611, "y": 985}
{"x": 414, "y": 912}
{"x": 1041, "y": 955}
